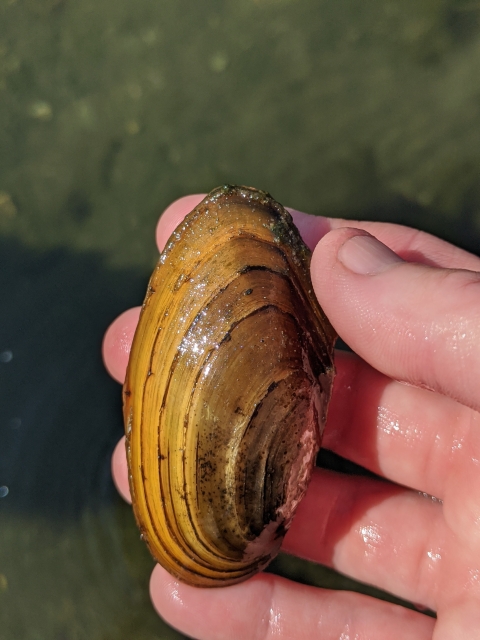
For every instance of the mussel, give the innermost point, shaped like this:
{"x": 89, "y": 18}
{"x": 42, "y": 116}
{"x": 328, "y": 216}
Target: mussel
{"x": 227, "y": 388}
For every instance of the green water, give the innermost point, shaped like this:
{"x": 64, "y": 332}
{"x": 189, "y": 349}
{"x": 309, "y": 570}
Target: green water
{"x": 109, "y": 110}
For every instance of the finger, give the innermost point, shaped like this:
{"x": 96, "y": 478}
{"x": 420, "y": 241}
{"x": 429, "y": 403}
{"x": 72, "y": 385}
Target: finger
{"x": 412, "y": 322}
{"x": 120, "y": 470}
{"x": 311, "y": 228}
{"x": 268, "y": 607}
{"x": 117, "y": 343}
{"x": 411, "y": 436}
{"x": 409, "y": 243}
{"x": 460, "y": 620}
{"x": 375, "y": 532}
{"x": 403, "y": 433}
{"x": 413, "y": 245}
{"x": 173, "y": 216}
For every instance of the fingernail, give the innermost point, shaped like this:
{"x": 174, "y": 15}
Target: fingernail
{"x": 365, "y": 255}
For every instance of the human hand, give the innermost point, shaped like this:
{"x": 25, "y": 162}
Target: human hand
{"x": 406, "y": 407}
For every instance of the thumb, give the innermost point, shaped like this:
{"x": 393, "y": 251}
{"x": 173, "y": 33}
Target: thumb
{"x": 413, "y": 322}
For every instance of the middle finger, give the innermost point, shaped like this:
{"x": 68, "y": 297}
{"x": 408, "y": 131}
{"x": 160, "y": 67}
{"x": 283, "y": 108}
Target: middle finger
{"x": 398, "y": 431}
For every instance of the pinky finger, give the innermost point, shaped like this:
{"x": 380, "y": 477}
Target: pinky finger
{"x": 268, "y": 607}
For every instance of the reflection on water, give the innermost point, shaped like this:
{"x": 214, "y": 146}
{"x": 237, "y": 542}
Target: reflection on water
{"x": 109, "y": 110}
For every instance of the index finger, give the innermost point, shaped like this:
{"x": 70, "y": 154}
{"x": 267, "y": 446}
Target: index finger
{"x": 412, "y": 245}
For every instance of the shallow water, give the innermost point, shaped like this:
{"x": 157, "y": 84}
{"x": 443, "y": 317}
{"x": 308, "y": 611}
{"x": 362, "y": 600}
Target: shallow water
{"x": 109, "y": 110}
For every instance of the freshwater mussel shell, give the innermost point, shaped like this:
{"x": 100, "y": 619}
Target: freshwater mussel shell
{"x": 227, "y": 389}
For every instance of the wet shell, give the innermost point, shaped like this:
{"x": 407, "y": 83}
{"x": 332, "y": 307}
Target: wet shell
{"x": 227, "y": 389}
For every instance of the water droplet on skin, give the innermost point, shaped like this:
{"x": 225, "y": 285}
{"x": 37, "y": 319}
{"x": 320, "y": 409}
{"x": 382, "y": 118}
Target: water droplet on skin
{"x": 3, "y": 491}
{"x": 6, "y": 356}
{"x": 434, "y": 556}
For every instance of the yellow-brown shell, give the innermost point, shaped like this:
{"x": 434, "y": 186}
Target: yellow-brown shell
{"x": 227, "y": 388}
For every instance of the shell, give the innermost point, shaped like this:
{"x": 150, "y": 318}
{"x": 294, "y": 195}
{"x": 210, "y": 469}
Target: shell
{"x": 227, "y": 388}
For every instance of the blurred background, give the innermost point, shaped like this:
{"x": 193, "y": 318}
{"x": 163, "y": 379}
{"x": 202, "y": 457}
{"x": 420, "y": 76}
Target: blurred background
{"x": 111, "y": 109}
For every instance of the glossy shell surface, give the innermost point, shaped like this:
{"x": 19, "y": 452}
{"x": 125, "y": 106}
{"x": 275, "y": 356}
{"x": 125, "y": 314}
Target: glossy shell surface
{"x": 227, "y": 388}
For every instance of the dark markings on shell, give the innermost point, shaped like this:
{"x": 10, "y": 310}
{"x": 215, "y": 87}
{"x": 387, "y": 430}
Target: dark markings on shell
{"x": 227, "y": 389}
